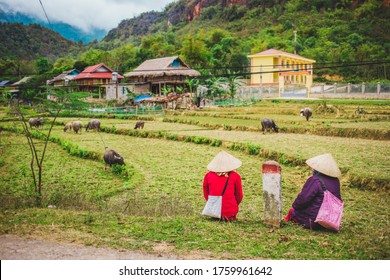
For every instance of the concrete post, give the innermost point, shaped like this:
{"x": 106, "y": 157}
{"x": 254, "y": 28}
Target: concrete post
{"x": 363, "y": 88}
{"x": 272, "y": 193}
{"x": 349, "y": 88}
{"x": 378, "y": 88}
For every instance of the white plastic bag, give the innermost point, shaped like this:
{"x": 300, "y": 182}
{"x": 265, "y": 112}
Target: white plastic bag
{"x": 213, "y": 207}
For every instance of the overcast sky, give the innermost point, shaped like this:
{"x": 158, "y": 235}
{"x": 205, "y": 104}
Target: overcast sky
{"x": 85, "y": 14}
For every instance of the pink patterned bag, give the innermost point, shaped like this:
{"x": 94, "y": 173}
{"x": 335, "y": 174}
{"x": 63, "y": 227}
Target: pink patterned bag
{"x": 331, "y": 211}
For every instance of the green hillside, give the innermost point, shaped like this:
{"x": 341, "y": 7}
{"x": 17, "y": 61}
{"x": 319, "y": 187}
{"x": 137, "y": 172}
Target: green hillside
{"x": 32, "y": 41}
{"x": 220, "y": 34}
{"x": 348, "y": 39}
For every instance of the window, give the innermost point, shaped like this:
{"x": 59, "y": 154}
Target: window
{"x": 176, "y": 63}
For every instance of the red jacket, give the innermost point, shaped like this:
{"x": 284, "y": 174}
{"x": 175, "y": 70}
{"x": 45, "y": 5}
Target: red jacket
{"x": 214, "y": 184}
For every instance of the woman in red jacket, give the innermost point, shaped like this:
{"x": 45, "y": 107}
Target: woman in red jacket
{"x": 221, "y": 169}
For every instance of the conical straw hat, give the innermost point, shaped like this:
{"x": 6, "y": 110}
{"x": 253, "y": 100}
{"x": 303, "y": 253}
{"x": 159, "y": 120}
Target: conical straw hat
{"x": 224, "y": 162}
{"x": 325, "y": 164}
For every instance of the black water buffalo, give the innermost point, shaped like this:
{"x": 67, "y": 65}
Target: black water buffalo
{"x": 268, "y": 124}
{"x": 139, "y": 125}
{"x": 306, "y": 112}
{"x": 35, "y": 122}
{"x": 112, "y": 157}
{"x": 93, "y": 124}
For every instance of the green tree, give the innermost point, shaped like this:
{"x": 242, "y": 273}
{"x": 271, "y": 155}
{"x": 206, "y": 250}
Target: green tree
{"x": 233, "y": 82}
{"x": 60, "y": 100}
{"x": 214, "y": 87}
{"x": 222, "y": 53}
{"x": 94, "y": 56}
{"x": 80, "y": 65}
{"x": 194, "y": 51}
{"x": 192, "y": 84}
{"x": 121, "y": 59}
{"x": 64, "y": 64}
{"x": 43, "y": 65}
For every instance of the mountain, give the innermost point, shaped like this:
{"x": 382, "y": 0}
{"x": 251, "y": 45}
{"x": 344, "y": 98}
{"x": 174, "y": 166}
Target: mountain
{"x": 243, "y": 17}
{"x": 220, "y": 34}
{"x": 347, "y": 39}
{"x": 28, "y": 42}
{"x": 67, "y": 31}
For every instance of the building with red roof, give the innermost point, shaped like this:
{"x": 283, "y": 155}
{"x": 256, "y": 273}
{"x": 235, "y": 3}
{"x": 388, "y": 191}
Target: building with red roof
{"x": 96, "y": 77}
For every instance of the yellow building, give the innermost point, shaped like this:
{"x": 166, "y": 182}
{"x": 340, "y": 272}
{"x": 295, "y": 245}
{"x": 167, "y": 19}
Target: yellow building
{"x": 274, "y": 67}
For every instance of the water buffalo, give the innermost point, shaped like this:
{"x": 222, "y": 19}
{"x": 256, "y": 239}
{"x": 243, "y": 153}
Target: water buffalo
{"x": 35, "y": 122}
{"x": 77, "y": 126}
{"x": 306, "y": 112}
{"x": 68, "y": 126}
{"x": 112, "y": 157}
{"x": 93, "y": 124}
{"x": 139, "y": 125}
{"x": 268, "y": 124}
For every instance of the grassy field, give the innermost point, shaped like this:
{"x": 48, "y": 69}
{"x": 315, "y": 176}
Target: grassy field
{"x": 158, "y": 199}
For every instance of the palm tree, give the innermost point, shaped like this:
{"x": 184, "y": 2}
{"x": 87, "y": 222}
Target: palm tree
{"x": 233, "y": 82}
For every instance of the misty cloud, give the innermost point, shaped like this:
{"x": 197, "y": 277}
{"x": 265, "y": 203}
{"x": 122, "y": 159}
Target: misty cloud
{"x": 85, "y": 14}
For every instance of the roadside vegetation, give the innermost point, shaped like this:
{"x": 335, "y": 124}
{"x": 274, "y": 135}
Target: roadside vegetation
{"x": 157, "y": 197}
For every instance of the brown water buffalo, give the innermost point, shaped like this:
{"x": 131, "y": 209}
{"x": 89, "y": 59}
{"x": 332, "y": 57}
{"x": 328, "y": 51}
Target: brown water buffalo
{"x": 68, "y": 126}
{"x": 139, "y": 125}
{"x": 77, "y": 126}
{"x": 268, "y": 124}
{"x": 112, "y": 157}
{"x": 93, "y": 124}
{"x": 306, "y": 112}
{"x": 35, "y": 122}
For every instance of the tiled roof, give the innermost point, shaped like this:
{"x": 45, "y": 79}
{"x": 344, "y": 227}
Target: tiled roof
{"x": 98, "y": 71}
{"x": 273, "y": 52}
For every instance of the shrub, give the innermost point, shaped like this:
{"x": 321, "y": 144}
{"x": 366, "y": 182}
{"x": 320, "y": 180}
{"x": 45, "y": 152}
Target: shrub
{"x": 119, "y": 170}
{"x": 252, "y": 149}
{"x": 216, "y": 143}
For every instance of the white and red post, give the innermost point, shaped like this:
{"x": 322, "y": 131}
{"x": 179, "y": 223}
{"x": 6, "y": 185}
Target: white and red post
{"x": 272, "y": 193}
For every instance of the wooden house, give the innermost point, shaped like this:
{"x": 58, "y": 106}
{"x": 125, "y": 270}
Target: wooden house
{"x": 155, "y": 74}
{"x": 275, "y": 67}
{"x": 64, "y": 78}
{"x": 14, "y": 88}
{"x": 5, "y": 83}
{"x": 96, "y": 77}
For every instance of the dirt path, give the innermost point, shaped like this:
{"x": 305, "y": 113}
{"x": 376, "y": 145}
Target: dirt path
{"x": 15, "y": 248}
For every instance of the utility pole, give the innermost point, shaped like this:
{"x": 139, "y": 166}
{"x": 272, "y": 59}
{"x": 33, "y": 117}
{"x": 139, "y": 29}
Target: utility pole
{"x": 115, "y": 80}
{"x": 261, "y": 79}
{"x": 295, "y": 42}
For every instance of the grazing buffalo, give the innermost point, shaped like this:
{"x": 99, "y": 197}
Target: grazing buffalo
{"x": 111, "y": 157}
{"x": 306, "y": 112}
{"x": 139, "y": 125}
{"x": 77, "y": 126}
{"x": 268, "y": 124}
{"x": 68, "y": 126}
{"x": 35, "y": 122}
{"x": 93, "y": 124}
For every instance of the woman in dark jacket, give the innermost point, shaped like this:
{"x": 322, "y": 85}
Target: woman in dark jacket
{"x": 308, "y": 202}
